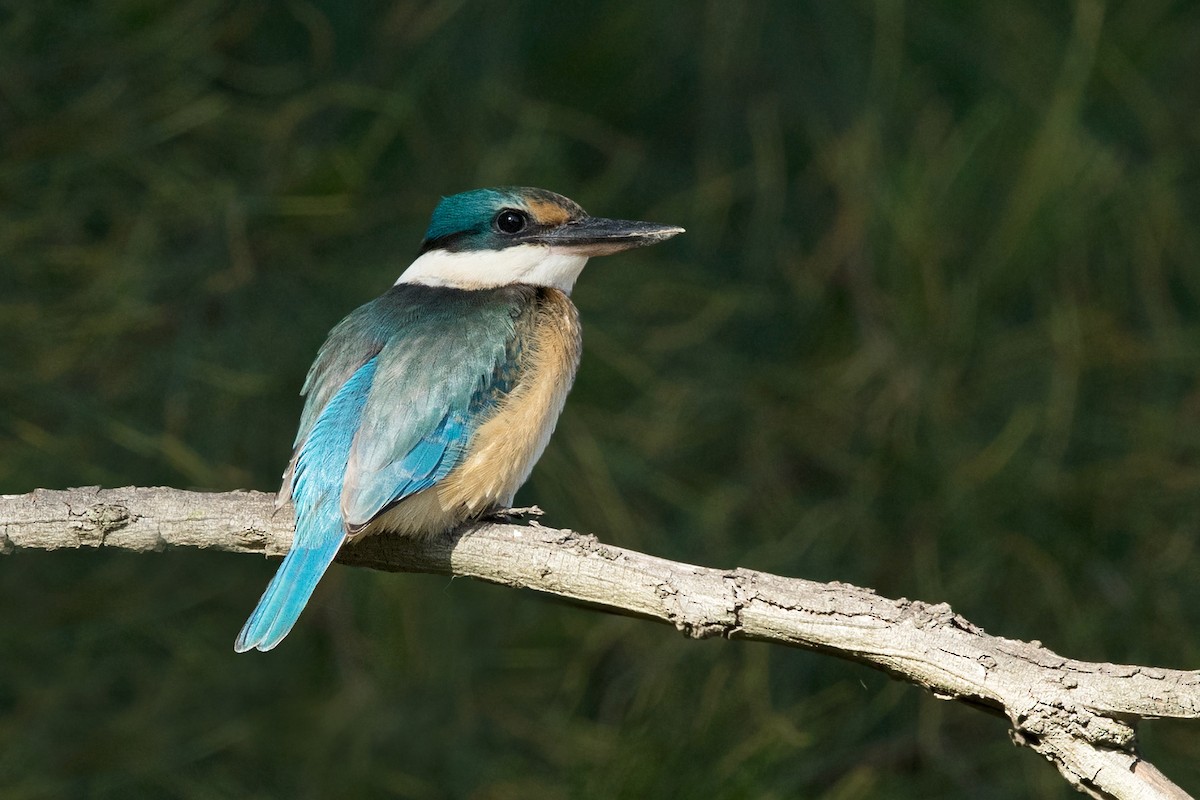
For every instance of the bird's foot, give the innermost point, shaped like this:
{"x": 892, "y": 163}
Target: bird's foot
{"x": 513, "y": 514}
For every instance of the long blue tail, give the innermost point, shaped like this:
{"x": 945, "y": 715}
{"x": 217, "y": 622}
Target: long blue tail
{"x": 320, "y": 529}
{"x": 293, "y": 584}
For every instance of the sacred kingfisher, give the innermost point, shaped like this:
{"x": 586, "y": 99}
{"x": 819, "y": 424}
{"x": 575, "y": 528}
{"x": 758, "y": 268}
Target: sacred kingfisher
{"x": 428, "y": 406}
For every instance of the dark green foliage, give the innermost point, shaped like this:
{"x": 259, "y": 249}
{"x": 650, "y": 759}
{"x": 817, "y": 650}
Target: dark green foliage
{"x": 934, "y": 328}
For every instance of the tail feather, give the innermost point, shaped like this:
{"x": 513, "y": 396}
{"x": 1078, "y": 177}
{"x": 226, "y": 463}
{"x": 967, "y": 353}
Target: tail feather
{"x": 316, "y": 479}
{"x": 286, "y": 595}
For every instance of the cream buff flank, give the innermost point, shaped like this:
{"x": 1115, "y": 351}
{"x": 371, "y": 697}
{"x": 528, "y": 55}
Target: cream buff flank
{"x": 504, "y": 449}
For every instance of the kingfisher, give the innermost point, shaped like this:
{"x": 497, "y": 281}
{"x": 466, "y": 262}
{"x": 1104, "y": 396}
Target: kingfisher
{"x": 427, "y": 407}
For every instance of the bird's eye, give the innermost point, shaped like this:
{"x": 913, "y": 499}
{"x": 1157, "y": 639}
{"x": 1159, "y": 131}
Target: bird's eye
{"x": 509, "y": 221}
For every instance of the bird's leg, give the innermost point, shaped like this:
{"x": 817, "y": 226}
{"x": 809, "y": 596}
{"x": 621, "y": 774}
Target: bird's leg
{"x": 512, "y": 514}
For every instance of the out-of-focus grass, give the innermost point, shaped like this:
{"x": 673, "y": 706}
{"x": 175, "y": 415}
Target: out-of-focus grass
{"x": 934, "y": 328}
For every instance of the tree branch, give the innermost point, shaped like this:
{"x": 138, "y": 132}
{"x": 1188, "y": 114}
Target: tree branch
{"x": 1079, "y": 715}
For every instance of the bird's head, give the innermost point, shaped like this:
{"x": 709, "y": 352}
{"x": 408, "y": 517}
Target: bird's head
{"x": 496, "y": 237}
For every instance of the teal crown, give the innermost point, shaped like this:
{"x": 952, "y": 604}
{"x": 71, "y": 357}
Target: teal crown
{"x": 469, "y": 220}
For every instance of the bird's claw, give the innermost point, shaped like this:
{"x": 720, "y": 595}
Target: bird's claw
{"x": 514, "y": 514}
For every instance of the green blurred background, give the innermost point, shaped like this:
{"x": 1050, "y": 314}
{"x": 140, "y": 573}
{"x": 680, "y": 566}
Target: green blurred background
{"x": 934, "y": 328}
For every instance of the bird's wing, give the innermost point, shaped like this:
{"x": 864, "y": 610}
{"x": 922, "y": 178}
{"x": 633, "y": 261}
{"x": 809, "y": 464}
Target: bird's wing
{"x": 440, "y": 360}
{"x": 350, "y": 345}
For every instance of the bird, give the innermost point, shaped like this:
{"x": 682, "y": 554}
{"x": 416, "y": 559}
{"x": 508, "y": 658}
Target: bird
{"x": 427, "y": 407}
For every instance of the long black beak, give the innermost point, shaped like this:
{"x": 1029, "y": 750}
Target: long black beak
{"x": 596, "y": 236}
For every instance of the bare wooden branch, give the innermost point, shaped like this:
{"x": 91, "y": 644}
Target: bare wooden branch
{"x": 1079, "y": 715}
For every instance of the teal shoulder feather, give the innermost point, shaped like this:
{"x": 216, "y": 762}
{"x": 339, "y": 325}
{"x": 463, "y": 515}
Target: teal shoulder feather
{"x": 444, "y": 357}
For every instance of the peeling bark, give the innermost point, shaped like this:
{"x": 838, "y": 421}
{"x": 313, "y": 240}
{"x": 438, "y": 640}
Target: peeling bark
{"x": 1077, "y": 714}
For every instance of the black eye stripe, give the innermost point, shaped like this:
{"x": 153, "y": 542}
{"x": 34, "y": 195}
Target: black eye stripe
{"x": 511, "y": 221}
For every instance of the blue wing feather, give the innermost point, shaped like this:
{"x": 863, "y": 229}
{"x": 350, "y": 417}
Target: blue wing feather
{"x": 435, "y": 384}
{"x": 393, "y": 398}
{"x": 431, "y": 459}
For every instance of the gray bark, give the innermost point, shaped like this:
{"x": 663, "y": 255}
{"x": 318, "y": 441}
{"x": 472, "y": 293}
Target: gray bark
{"x": 1079, "y": 715}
